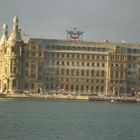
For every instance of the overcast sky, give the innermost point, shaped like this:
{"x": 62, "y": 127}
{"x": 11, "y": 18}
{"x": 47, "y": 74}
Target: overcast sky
{"x": 115, "y": 20}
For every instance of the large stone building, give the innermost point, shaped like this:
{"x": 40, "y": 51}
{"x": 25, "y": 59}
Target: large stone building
{"x": 72, "y": 65}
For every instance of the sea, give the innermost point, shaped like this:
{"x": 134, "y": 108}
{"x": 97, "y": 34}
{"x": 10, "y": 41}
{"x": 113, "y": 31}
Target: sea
{"x": 68, "y": 120}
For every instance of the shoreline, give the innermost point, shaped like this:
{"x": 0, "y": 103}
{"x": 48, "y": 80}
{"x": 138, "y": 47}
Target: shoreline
{"x": 71, "y": 97}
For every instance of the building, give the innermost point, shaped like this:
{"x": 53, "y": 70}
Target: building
{"x": 74, "y": 65}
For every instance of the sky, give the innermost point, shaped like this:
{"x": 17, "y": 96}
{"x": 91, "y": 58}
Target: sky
{"x": 115, "y": 20}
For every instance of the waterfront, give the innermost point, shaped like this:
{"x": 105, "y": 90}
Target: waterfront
{"x": 68, "y": 120}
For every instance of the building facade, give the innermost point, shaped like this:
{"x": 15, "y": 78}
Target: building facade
{"x": 77, "y": 66}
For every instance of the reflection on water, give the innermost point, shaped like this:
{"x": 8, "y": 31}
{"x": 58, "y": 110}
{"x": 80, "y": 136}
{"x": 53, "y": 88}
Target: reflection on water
{"x": 65, "y": 120}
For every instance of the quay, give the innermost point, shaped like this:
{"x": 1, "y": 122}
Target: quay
{"x": 73, "y": 97}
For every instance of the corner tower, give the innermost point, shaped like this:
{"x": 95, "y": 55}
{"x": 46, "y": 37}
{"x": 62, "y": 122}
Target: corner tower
{"x": 12, "y": 76}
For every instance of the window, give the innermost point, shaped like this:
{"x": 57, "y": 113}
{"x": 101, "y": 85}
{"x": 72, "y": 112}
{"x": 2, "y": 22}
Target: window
{"x": 34, "y": 47}
{"x": 77, "y": 72}
{"x": 14, "y": 69}
{"x": 112, "y": 74}
{"x": 91, "y": 88}
{"x": 86, "y": 87}
{"x": 92, "y": 73}
{"x": 26, "y": 73}
{"x": 72, "y": 72}
{"x": 67, "y": 71}
{"x": 57, "y": 62}
{"x": 82, "y": 72}
{"x": 26, "y": 86}
{"x": 68, "y": 55}
{"x": 77, "y": 87}
{"x": 62, "y": 71}
{"x": 102, "y": 88}
{"x": 72, "y": 55}
{"x": 72, "y": 87}
{"x": 93, "y": 56}
{"x": 58, "y": 55}
{"x": 82, "y": 87}
{"x": 134, "y": 66}
{"x": 62, "y": 62}
{"x": 97, "y": 73}
{"x": 117, "y": 74}
{"x": 102, "y": 73}
{"x": 97, "y": 88}
{"x": 63, "y": 55}
{"x": 103, "y": 57}
{"x": 67, "y": 87}
{"x": 68, "y": 63}
{"x": 97, "y": 81}
{"x": 27, "y": 64}
{"x": 33, "y": 53}
{"x": 78, "y": 64}
{"x": 87, "y": 56}
{"x": 122, "y": 74}
{"x": 83, "y": 56}
{"x": 13, "y": 84}
{"x": 72, "y": 63}
{"x": 87, "y": 72}
{"x": 57, "y": 71}
{"x": 77, "y": 56}
{"x": 40, "y": 54}
{"x": 5, "y": 69}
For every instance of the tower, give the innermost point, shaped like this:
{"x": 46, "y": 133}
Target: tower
{"x": 12, "y": 59}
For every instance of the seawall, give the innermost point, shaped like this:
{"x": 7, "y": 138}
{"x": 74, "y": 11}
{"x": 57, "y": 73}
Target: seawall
{"x": 70, "y": 97}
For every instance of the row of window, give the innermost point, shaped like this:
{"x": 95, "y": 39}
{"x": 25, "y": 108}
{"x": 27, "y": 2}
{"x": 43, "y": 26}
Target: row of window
{"x": 76, "y": 56}
{"x": 117, "y": 81}
{"x": 117, "y": 58}
{"x": 117, "y": 65}
{"x": 34, "y": 54}
{"x": 75, "y": 87}
{"x": 131, "y": 66}
{"x": 75, "y": 48}
{"x": 72, "y": 72}
{"x": 78, "y": 72}
{"x": 133, "y": 51}
{"x": 117, "y": 74}
{"x": 73, "y": 63}
{"x": 75, "y": 80}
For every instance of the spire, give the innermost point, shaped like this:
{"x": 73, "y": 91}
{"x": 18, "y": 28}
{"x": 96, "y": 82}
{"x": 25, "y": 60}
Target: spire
{"x": 15, "y": 34}
{"x": 4, "y": 37}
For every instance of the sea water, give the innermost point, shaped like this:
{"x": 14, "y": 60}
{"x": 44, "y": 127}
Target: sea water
{"x": 68, "y": 120}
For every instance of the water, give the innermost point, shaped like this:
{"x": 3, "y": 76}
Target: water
{"x": 68, "y": 120}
